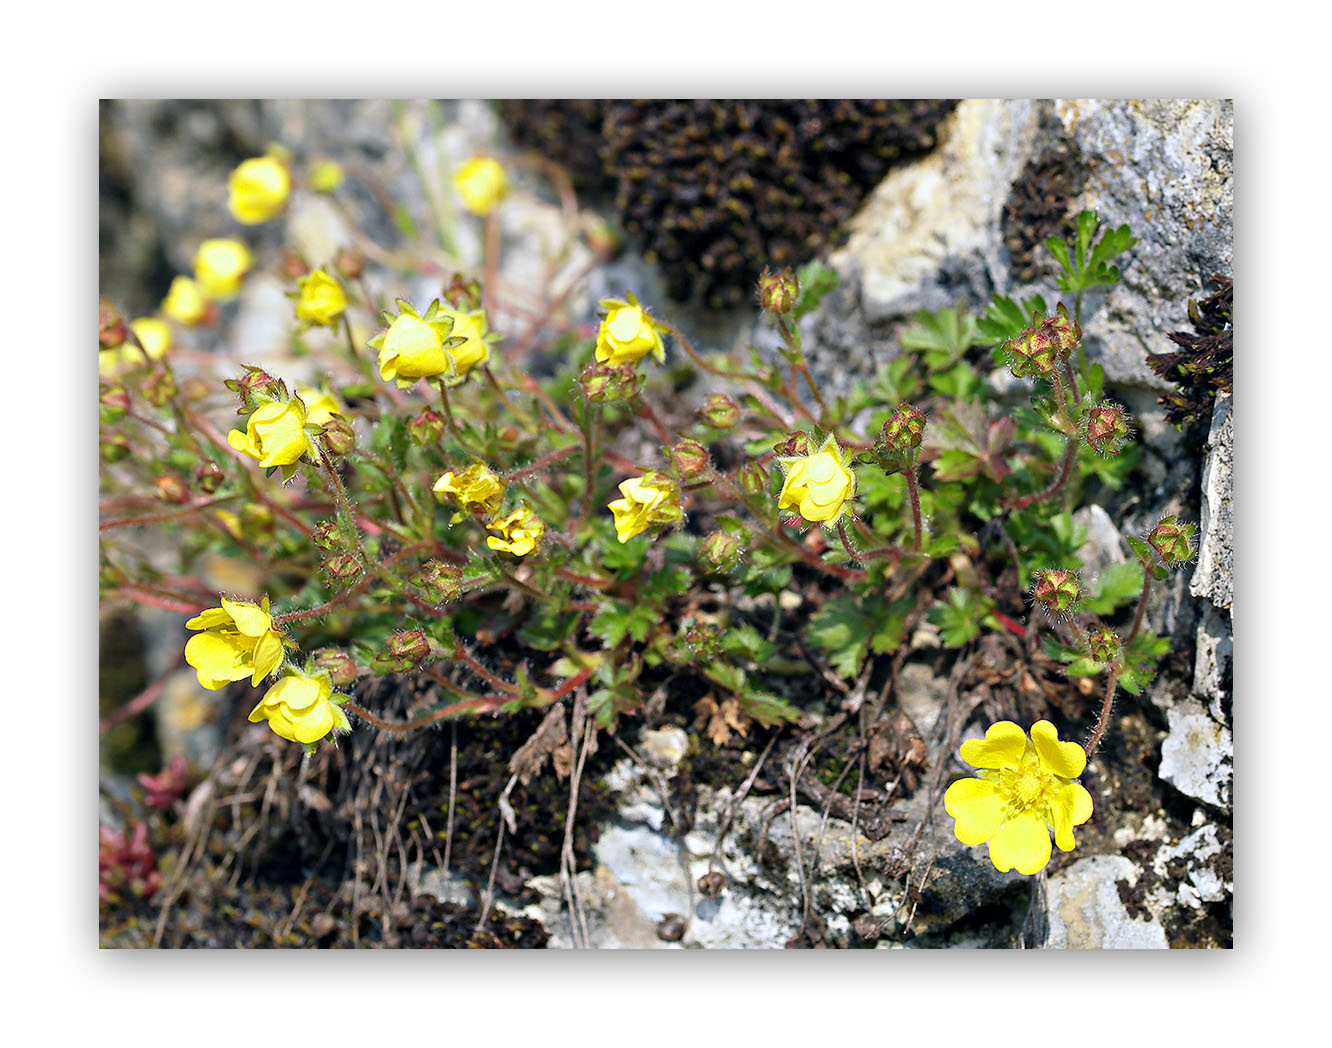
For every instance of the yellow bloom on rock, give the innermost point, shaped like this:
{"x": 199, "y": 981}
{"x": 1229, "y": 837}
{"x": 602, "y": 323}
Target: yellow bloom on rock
{"x": 258, "y": 190}
{"x": 219, "y": 265}
{"x": 477, "y": 489}
{"x": 519, "y": 532}
{"x": 649, "y": 501}
{"x": 414, "y": 346}
{"x": 628, "y": 334}
{"x": 481, "y": 183}
{"x": 818, "y": 486}
{"x": 1024, "y": 793}
{"x": 184, "y": 301}
{"x": 320, "y": 300}
{"x": 301, "y": 708}
{"x": 274, "y": 434}
{"x": 239, "y": 641}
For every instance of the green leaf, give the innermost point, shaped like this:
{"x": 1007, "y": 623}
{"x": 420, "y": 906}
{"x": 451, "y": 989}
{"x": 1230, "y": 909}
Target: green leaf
{"x": 547, "y": 628}
{"x": 847, "y": 629}
{"x": 960, "y": 615}
{"x": 961, "y": 381}
{"x": 942, "y": 336}
{"x": 613, "y": 621}
{"x": 816, "y": 280}
{"x": 1083, "y": 265}
{"x": 1004, "y": 319}
{"x": 1116, "y": 585}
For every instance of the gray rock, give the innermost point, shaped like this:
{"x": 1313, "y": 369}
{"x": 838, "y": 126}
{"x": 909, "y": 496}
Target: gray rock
{"x": 1196, "y": 755}
{"x": 1085, "y": 912}
{"x": 1214, "y": 576}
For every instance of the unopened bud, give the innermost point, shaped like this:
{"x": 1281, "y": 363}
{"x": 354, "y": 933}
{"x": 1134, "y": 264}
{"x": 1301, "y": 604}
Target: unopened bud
{"x": 345, "y": 567}
{"x": 1058, "y": 590}
{"x": 159, "y": 387}
{"x": 721, "y": 551}
{"x": 703, "y": 638}
{"x": 408, "y": 644}
{"x": 1103, "y": 644}
{"x": 903, "y": 431}
{"x": 292, "y": 265}
{"x": 328, "y": 536}
{"x": 1064, "y": 332}
{"x": 1032, "y": 352}
{"x": 255, "y": 383}
{"x": 796, "y": 445}
{"x": 753, "y": 478}
{"x": 720, "y": 411}
{"x": 170, "y": 488}
{"x": 350, "y": 262}
{"x": 1172, "y": 541}
{"x": 340, "y": 667}
{"x": 690, "y": 459}
{"x": 115, "y": 447}
{"x": 115, "y": 402}
{"x": 508, "y": 437}
{"x": 778, "y": 291}
{"x": 339, "y": 435}
{"x": 463, "y": 294}
{"x": 111, "y": 327}
{"x": 208, "y": 477}
{"x": 195, "y": 388}
{"x": 439, "y": 582}
{"x": 607, "y": 383}
{"x": 425, "y": 428}
{"x": 1105, "y": 428}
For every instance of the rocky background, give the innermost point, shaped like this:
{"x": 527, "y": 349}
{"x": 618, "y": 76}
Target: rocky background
{"x": 952, "y": 207}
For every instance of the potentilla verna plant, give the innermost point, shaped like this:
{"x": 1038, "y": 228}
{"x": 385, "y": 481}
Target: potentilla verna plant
{"x": 423, "y": 500}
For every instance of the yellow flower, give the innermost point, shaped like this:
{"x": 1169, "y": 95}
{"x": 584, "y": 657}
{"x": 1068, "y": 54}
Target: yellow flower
{"x": 627, "y": 334}
{"x": 301, "y": 708}
{"x": 219, "y": 265}
{"x": 155, "y": 335}
{"x": 818, "y": 486}
{"x": 320, "y": 300}
{"x": 520, "y": 531}
{"x": 413, "y": 346}
{"x": 325, "y": 175}
{"x": 274, "y": 434}
{"x": 258, "y": 190}
{"x": 475, "y": 349}
{"x": 649, "y": 501}
{"x": 320, "y": 405}
{"x": 1023, "y": 794}
{"x": 477, "y": 489}
{"x": 481, "y": 183}
{"x": 239, "y": 642}
{"x": 184, "y": 301}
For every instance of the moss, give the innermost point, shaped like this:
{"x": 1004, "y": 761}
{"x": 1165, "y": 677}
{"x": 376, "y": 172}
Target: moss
{"x": 1204, "y": 364}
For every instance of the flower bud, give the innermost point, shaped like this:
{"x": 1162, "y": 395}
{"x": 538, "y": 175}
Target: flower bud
{"x": 292, "y": 265}
{"x": 328, "y": 536}
{"x": 324, "y": 175}
{"x": 703, "y": 638}
{"x": 1065, "y": 333}
{"x": 170, "y": 488}
{"x": 602, "y": 237}
{"x": 463, "y": 295}
{"x": 721, "y": 551}
{"x": 1103, "y": 644}
{"x": 689, "y": 458}
{"x": 607, "y": 383}
{"x": 1057, "y": 590}
{"x": 1172, "y": 541}
{"x": 195, "y": 388}
{"x": 340, "y": 667}
{"x": 254, "y": 384}
{"x": 425, "y": 428}
{"x": 114, "y": 447}
{"x": 159, "y": 387}
{"x": 753, "y": 478}
{"x": 208, "y": 477}
{"x": 778, "y": 291}
{"x": 795, "y": 444}
{"x": 350, "y": 262}
{"x": 115, "y": 402}
{"x": 111, "y": 327}
{"x": 345, "y": 567}
{"x": 1032, "y": 352}
{"x": 438, "y": 582}
{"x": 1105, "y": 428}
{"x": 720, "y": 411}
{"x": 903, "y": 431}
{"x": 339, "y": 435}
{"x": 402, "y": 651}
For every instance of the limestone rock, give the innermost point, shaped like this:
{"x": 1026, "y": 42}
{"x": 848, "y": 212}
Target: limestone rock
{"x": 1085, "y": 911}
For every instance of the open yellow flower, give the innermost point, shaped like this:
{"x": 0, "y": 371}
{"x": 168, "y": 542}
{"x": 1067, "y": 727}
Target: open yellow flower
{"x": 258, "y": 190}
{"x": 320, "y": 405}
{"x": 519, "y": 532}
{"x": 301, "y": 708}
{"x": 320, "y": 300}
{"x": 184, "y": 301}
{"x": 477, "y": 489}
{"x": 481, "y": 183}
{"x": 627, "y": 334}
{"x": 818, "y": 486}
{"x": 649, "y": 501}
{"x": 239, "y": 641}
{"x": 1024, "y": 793}
{"x": 219, "y": 265}
{"x": 274, "y": 434}
{"x": 413, "y": 347}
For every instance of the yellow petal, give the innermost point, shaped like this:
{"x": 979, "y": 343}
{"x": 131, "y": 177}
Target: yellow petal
{"x": 1022, "y": 843}
{"x": 1071, "y": 806}
{"x": 1002, "y": 747}
{"x": 976, "y": 807}
{"x": 250, "y": 619}
{"x": 218, "y": 659}
{"x": 208, "y": 619}
{"x": 267, "y": 656}
{"x": 1065, "y": 759}
{"x": 313, "y": 724}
